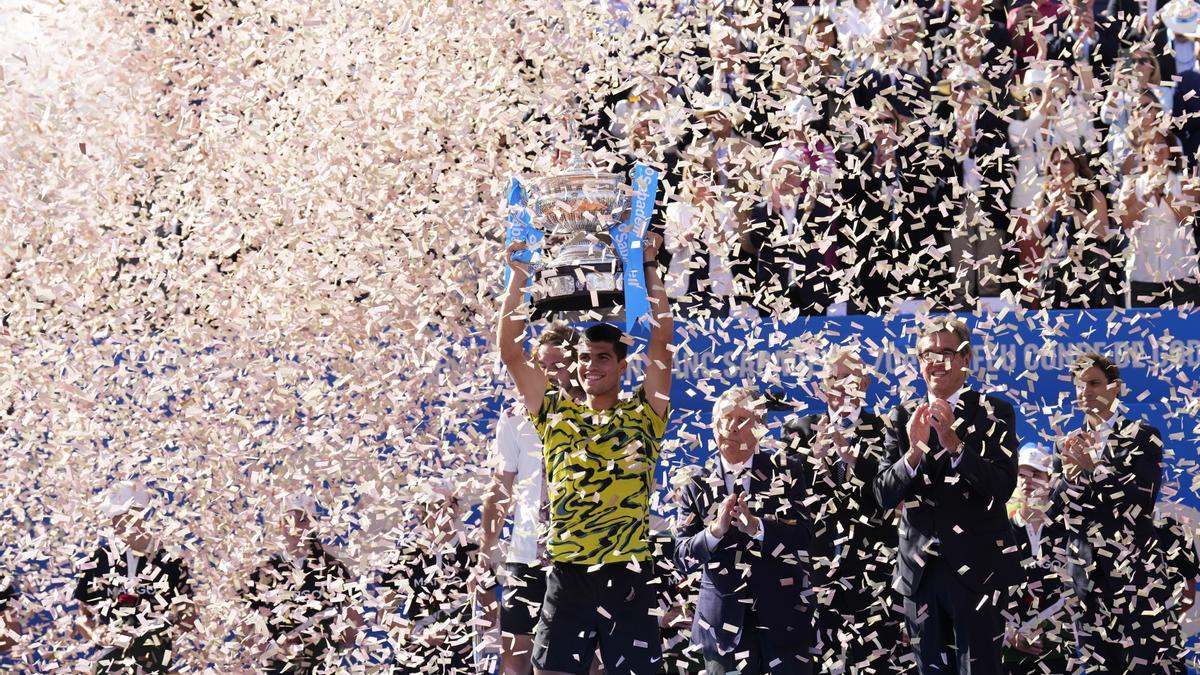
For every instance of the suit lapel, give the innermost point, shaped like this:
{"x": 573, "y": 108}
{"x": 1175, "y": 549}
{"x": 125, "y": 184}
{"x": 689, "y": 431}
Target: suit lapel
{"x": 714, "y": 484}
{"x": 760, "y": 475}
{"x": 1121, "y": 441}
{"x": 968, "y": 412}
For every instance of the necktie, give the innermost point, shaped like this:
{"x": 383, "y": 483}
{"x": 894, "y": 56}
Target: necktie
{"x": 839, "y": 471}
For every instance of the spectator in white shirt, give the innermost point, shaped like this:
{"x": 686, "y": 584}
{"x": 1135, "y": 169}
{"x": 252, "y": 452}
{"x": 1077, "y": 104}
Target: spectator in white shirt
{"x": 1156, "y": 209}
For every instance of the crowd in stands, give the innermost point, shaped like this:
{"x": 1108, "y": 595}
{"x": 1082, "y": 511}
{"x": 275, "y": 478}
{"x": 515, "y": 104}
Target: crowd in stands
{"x": 855, "y": 156}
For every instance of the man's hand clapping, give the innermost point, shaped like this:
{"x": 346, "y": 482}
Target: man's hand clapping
{"x": 734, "y": 512}
{"x": 745, "y": 521}
{"x": 1078, "y": 453}
{"x": 941, "y": 416}
{"x": 918, "y": 435}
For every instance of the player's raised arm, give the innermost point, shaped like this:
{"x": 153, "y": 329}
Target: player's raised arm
{"x": 531, "y": 381}
{"x": 661, "y": 351}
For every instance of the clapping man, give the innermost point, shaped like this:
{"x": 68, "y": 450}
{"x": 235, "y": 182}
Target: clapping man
{"x": 134, "y": 595}
{"x": 304, "y": 598}
{"x": 951, "y": 460}
{"x": 742, "y": 525}
{"x": 854, "y": 540}
{"x": 1109, "y": 472}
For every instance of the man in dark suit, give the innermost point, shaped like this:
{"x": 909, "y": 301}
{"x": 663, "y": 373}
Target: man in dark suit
{"x": 788, "y": 231}
{"x": 884, "y": 209}
{"x": 951, "y": 460}
{"x": 974, "y": 173}
{"x": 742, "y": 524}
{"x": 1109, "y": 473}
{"x": 1088, "y": 39}
{"x": 854, "y": 541}
{"x": 987, "y": 20}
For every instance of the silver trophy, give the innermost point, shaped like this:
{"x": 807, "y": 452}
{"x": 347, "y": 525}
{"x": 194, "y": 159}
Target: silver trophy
{"x": 576, "y": 212}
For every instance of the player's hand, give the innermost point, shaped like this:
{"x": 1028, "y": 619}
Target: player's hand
{"x": 651, "y": 246}
{"x": 481, "y": 577}
{"x": 510, "y": 255}
{"x": 1022, "y": 643}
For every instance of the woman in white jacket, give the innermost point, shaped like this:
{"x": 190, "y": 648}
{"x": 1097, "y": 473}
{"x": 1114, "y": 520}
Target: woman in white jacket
{"x": 1157, "y": 205}
{"x": 1055, "y": 116}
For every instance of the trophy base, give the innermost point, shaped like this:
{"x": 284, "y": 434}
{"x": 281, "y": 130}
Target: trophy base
{"x": 608, "y": 305}
{"x": 593, "y": 288}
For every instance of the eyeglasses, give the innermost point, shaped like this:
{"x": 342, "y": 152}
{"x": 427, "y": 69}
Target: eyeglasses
{"x": 1143, "y": 61}
{"x": 940, "y": 356}
{"x": 1035, "y": 92}
{"x": 965, "y": 86}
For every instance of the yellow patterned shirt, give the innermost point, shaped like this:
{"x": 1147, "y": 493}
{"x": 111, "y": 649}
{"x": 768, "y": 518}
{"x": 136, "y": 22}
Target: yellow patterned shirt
{"x": 599, "y": 476}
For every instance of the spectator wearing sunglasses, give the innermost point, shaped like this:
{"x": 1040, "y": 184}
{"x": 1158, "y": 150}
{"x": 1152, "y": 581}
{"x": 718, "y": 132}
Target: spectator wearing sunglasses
{"x": 1136, "y": 98}
{"x": 973, "y": 178}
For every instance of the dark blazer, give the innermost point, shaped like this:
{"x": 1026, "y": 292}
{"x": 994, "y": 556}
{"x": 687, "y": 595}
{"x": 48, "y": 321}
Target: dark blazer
{"x": 854, "y": 529}
{"x": 778, "y": 254}
{"x": 1110, "y": 516}
{"x": 1103, "y": 54}
{"x": 874, "y": 236}
{"x": 993, "y": 157}
{"x": 771, "y": 576}
{"x": 998, "y": 61}
{"x": 1186, "y": 113}
{"x": 963, "y": 508}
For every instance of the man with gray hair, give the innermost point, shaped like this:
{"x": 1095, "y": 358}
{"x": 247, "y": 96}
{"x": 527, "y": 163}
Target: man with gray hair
{"x": 951, "y": 459}
{"x": 743, "y": 525}
{"x": 135, "y": 596}
{"x": 854, "y": 540}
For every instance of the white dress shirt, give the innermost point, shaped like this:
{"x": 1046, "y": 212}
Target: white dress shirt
{"x": 1035, "y": 534}
{"x": 517, "y": 449}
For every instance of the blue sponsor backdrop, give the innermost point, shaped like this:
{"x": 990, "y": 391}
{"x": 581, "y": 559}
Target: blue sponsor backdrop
{"x": 1026, "y": 360}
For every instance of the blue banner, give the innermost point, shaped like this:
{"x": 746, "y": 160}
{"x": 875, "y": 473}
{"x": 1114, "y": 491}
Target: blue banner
{"x": 520, "y": 226}
{"x": 1023, "y": 358}
{"x": 627, "y": 238}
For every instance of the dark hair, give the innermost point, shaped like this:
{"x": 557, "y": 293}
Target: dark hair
{"x": 1084, "y": 184}
{"x": 1174, "y": 149}
{"x": 1095, "y": 359}
{"x": 559, "y": 334}
{"x": 1083, "y": 168}
{"x": 606, "y": 332}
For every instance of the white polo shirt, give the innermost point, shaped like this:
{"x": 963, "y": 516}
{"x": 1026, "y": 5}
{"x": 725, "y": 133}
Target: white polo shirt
{"x": 519, "y": 450}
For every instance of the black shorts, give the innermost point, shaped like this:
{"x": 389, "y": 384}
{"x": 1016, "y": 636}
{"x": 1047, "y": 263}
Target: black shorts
{"x": 611, "y": 606}
{"x": 524, "y": 589}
